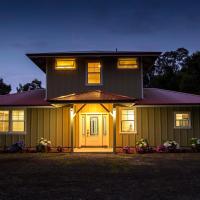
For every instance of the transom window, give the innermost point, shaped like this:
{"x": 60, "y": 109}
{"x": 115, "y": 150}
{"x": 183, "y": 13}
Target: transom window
{"x": 94, "y": 73}
{"x": 18, "y": 120}
{"x": 182, "y": 120}
{"x": 128, "y": 121}
{"x": 65, "y": 64}
{"x": 4, "y": 120}
{"x": 127, "y": 63}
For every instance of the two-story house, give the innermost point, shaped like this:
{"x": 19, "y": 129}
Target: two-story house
{"x": 95, "y": 102}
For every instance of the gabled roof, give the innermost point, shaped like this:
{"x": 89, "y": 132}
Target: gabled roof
{"x": 156, "y": 96}
{"x": 29, "y": 98}
{"x": 95, "y": 96}
{"x": 40, "y": 58}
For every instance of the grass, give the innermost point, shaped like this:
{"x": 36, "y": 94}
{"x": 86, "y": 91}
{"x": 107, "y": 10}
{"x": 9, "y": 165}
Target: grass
{"x": 99, "y": 176}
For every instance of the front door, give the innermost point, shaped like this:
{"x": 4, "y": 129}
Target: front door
{"x": 94, "y": 131}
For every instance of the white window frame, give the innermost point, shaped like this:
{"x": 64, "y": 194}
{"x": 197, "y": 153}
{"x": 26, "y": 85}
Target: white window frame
{"x": 120, "y": 120}
{"x": 10, "y": 131}
{"x": 182, "y": 127}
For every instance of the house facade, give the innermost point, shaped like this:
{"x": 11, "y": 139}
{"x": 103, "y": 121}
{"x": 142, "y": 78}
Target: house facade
{"x": 95, "y": 102}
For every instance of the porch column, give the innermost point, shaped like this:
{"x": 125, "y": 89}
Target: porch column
{"x": 72, "y": 127}
{"x": 114, "y": 128}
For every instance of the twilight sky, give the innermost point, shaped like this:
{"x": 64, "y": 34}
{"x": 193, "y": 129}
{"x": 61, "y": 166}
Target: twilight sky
{"x": 69, "y": 25}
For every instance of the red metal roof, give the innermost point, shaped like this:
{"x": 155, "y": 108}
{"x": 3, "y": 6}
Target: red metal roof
{"x": 92, "y": 96}
{"x": 29, "y": 98}
{"x": 152, "y": 96}
{"x": 155, "y": 96}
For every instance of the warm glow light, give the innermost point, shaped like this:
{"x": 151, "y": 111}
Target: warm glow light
{"x": 127, "y": 63}
{"x": 94, "y": 73}
{"x": 65, "y": 63}
{"x": 4, "y": 120}
{"x": 182, "y": 120}
{"x": 18, "y": 120}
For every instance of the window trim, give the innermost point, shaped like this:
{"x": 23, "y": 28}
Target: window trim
{"x": 10, "y": 132}
{"x": 124, "y": 58}
{"x": 120, "y": 120}
{"x": 101, "y": 73}
{"x": 65, "y": 69}
{"x": 183, "y": 127}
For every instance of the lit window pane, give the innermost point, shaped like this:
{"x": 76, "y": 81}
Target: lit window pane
{"x": 17, "y": 115}
{"x": 94, "y": 73}
{"x": 182, "y": 120}
{"x": 4, "y": 115}
{"x": 18, "y": 126}
{"x": 65, "y": 63}
{"x": 128, "y": 126}
{"x": 4, "y": 126}
{"x": 18, "y": 120}
{"x": 127, "y": 63}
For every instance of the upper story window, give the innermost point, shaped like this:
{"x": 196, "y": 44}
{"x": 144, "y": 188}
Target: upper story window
{"x": 65, "y": 64}
{"x": 127, "y": 63}
{"x": 94, "y": 73}
{"x": 182, "y": 120}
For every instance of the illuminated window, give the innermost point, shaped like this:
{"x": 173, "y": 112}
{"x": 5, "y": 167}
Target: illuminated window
{"x": 18, "y": 121}
{"x": 128, "y": 121}
{"x": 94, "y": 73}
{"x": 127, "y": 63}
{"x": 65, "y": 64}
{"x": 182, "y": 120}
{"x": 4, "y": 120}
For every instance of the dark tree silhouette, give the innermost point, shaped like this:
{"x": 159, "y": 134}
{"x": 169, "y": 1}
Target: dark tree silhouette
{"x": 4, "y": 88}
{"x": 165, "y": 72}
{"x": 34, "y": 85}
{"x": 190, "y": 75}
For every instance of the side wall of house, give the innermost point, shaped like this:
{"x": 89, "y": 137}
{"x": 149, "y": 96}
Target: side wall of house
{"x": 42, "y": 122}
{"x": 156, "y": 124}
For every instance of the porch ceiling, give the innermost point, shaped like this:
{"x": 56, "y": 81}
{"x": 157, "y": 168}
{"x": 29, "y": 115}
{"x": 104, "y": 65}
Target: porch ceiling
{"x": 95, "y": 96}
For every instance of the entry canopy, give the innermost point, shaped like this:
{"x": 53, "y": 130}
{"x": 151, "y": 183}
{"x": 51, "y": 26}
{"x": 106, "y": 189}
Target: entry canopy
{"x": 96, "y": 96}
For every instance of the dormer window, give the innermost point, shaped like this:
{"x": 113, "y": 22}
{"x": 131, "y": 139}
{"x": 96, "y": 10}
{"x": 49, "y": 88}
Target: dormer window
{"x": 127, "y": 63}
{"x": 65, "y": 64}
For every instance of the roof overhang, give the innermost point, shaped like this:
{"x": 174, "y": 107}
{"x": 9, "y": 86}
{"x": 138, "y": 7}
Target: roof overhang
{"x": 40, "y": 58}
{"x": 95, "y": 96}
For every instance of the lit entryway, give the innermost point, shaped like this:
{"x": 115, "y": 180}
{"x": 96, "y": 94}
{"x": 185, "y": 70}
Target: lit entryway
{"x": 93, "y": 133}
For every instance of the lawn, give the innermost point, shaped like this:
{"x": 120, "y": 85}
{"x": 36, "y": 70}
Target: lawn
{"x": 99, "y": 176}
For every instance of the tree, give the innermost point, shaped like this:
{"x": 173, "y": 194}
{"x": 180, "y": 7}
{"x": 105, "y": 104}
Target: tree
{"x": 34, "y": 85}
{"x": 165, "y": 72}
{"x": 190, "y": 75}
{"x": 4, "y": 88}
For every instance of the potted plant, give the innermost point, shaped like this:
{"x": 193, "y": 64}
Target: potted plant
{"x": 171, "y": 146}
{"x": 142, "y": 146}
{"x": 127, "y": 149}
{"x": 43, "y": 145}
{"x": 195, "y": 144}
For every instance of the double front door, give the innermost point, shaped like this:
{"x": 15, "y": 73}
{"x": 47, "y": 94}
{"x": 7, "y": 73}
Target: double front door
{"x": 94, "y": 130}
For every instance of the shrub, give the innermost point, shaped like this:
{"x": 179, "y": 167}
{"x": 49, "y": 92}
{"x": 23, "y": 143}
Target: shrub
{"x": 127, "y": 149}
{"x": 43, "y": 145}
{"x": 60, "y": 149}
{"x": 17, "y": 147}
{"x": 171, "y": 146}
{"x": 142, "y": 146}
{"x": 195, "y": 144}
